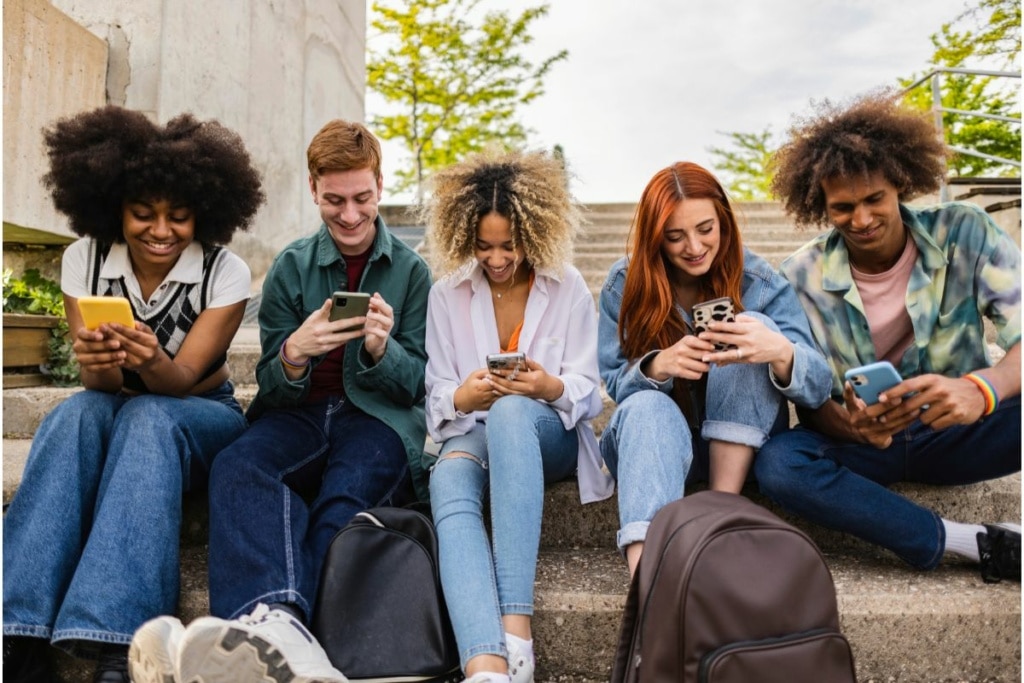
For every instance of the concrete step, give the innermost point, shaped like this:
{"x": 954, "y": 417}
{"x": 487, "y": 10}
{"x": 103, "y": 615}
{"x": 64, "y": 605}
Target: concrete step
{"x": 903, "y": 626}
{"x": 569, "y": 524}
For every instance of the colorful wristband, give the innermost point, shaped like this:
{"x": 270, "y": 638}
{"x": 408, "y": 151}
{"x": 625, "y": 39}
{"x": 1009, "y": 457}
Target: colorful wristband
{"x": 986, "y": 389}
{"x": 288, "y": 362}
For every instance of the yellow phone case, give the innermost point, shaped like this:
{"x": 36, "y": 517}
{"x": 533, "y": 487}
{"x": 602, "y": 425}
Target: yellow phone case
{"x": 97, "y": 310}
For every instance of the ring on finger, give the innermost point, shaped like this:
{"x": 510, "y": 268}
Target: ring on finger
{"x": 739, "y": 354}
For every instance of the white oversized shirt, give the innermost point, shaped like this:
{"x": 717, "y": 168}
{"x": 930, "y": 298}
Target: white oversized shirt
{"x": 559, "y": 332}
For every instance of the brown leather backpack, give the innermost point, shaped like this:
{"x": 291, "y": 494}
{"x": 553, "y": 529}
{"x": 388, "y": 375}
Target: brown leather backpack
{"x": 728, "y": 592}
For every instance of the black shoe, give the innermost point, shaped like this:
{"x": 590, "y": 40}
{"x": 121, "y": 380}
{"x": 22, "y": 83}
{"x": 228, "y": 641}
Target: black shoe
{"x": 113, "y": 665}
{"x": 999, "y": 549}
{"x": 27, "y": 660}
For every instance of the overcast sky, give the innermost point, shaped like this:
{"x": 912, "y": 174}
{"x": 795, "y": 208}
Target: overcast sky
{"x": 650, "y": 82}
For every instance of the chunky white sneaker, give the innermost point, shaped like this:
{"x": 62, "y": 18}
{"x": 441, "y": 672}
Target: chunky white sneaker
{"x": 520, "y": 667}
{"x": 267, "y": 646}
{"x": 154, "y": 651}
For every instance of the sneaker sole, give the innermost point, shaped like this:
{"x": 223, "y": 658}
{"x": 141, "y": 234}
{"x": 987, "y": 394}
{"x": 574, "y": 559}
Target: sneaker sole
{"x": 225, "y": 654}
{"x": 148, "y": 659}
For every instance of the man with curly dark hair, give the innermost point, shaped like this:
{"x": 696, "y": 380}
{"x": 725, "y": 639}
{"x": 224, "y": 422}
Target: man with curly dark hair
{"x": 911, "y": 286}
{"x": 91, "y": 539}
{"x": 336, "y": 428}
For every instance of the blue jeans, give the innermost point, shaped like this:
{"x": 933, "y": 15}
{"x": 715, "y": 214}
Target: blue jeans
{"x": 843, "y": 485}
{"x": 650, "y": 450}
{"x": 280, "y": 493}
{"x": 523, "y": 446}
{"x": 91, "y": 538}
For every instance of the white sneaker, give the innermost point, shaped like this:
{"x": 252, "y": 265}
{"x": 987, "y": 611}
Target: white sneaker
{"x": 154, "y": 651}
{"x": 265, "y": 646}
{"x": 520, "y": 667}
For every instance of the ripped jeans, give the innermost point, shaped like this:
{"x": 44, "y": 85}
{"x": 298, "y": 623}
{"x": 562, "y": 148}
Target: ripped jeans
{"x": 522, "y": 446}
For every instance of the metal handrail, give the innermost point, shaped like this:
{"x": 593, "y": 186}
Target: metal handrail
{"x": 938, "y": 110}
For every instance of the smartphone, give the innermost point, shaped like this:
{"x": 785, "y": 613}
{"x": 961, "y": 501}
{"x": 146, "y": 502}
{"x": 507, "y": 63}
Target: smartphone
{"x": 506, "y": 361}
{"x": 97, "y": 310}
{"x": 349, "y": 305}
{"x": 871, "y": 380}
{"x": 715, "y": 310}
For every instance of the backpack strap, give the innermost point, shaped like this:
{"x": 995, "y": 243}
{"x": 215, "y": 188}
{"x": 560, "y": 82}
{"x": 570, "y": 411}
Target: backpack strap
{"x": 625, "y": 669}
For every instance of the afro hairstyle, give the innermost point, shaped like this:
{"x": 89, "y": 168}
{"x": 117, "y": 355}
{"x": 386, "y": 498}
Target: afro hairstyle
{"x": 102, "y": 158}
{"x": 874, "y": 133}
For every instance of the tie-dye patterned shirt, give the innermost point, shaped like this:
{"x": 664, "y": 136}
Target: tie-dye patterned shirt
{"x": 967, "y": 268}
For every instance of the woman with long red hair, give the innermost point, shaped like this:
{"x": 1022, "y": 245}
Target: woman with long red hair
{"x": 688, "y": 411}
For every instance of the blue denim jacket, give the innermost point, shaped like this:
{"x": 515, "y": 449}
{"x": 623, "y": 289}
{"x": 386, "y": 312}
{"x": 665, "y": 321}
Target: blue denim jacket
{"x": 764, "y": 291}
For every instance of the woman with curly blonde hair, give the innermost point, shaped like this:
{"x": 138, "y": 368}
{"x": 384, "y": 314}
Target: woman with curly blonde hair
{"x": 500, "y": 230}
{"x": 692, "y": 404}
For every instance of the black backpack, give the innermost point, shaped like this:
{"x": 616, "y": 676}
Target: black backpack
{"x": 380, "y": 612}
{"x": 726, "y": 592}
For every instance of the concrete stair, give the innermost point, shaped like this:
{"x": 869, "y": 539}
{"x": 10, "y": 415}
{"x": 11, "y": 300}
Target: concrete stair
{"x": 903, "y": 625}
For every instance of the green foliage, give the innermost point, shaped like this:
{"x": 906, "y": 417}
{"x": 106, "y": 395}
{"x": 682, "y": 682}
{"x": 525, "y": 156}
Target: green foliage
{"x": 455, "y": 78}
{"x": 989, "y": 35}
{"x": 35, "y": 294}
{"x": 32, "y": 293}
{"x": 744, "y": 168}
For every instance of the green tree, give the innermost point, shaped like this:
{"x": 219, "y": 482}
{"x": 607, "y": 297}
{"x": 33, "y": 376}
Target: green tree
{"x": 456, "y": 78}
{"x": 988, "y": 36}
{"x": 744, "y": 167}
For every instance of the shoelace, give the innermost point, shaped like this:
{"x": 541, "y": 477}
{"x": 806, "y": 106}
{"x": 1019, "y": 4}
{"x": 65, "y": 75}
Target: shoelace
{"x": 257, "y": 615}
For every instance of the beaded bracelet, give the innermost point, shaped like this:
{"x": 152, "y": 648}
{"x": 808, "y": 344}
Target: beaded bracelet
{"x": 288, "y": 362}
{"x": 986, "y": 389}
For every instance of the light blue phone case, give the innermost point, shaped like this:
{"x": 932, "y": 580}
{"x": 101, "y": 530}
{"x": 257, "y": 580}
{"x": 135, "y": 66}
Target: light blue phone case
{"x": 871, "y": 380}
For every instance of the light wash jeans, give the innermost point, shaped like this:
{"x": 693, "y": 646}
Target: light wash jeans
{"x": 523, "y": 446}
{"x": 91, "y": 538}
{"x": 650, "y": 450}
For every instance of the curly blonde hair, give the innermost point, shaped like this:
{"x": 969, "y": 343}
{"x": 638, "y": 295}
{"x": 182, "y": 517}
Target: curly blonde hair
{"x": 530, "y": 189}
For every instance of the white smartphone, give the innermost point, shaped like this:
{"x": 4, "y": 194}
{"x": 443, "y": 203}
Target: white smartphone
{"x": 506, "y": 361}
{"x": 349, "y": 305}
{"x": 715, "y": 310}
{"x": 871, "y": 380}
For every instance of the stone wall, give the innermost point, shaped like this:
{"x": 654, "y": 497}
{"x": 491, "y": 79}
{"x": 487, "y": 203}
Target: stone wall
{"x": 52, "y": 68}
{"x": 273, "y": 70}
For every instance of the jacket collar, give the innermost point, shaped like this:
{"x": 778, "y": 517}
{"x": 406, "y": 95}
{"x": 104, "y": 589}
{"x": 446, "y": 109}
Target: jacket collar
{"x": 327, "y": 250}
{"x": 837, "y": 275}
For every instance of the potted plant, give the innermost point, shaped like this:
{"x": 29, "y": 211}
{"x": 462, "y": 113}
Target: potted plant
{"x": 35, "y": 344}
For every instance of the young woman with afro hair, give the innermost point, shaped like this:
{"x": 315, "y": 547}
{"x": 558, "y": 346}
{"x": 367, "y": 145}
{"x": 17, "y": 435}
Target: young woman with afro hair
{"x": 500, "y": 227}
{"x": 91, "y": 539}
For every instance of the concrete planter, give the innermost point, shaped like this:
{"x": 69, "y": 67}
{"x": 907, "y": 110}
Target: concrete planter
{"x": 26, "y": 347}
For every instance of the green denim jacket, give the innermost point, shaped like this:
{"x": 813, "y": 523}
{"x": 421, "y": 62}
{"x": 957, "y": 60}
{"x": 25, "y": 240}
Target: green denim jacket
{"x": 302, "y": 277}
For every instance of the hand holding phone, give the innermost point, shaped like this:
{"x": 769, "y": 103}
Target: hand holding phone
{"x": 715, "y": 310}
{"x": 97, "y": 310}
{"x": 349, "y": 305}
{"x": 870, "y": 380}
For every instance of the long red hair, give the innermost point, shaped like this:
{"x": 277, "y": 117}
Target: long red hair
{"x": 648, "y": 318}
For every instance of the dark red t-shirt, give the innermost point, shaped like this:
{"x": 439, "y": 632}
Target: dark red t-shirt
{"x": 329, "y": 376}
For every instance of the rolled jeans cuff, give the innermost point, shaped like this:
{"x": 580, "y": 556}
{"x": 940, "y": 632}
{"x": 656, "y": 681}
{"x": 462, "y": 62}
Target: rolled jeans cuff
{"x": 733, "y": 432}
{"x": 634, "y": 532}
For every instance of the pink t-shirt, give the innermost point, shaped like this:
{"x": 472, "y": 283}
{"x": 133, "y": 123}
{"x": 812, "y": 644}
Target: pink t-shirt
{"x": 884, "y": 296}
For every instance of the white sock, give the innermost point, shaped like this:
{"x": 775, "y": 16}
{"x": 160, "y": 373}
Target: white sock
{"x": 525, "y": 647}
{"x": 962, "y": 539}
{"x": 490, "y": 677}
